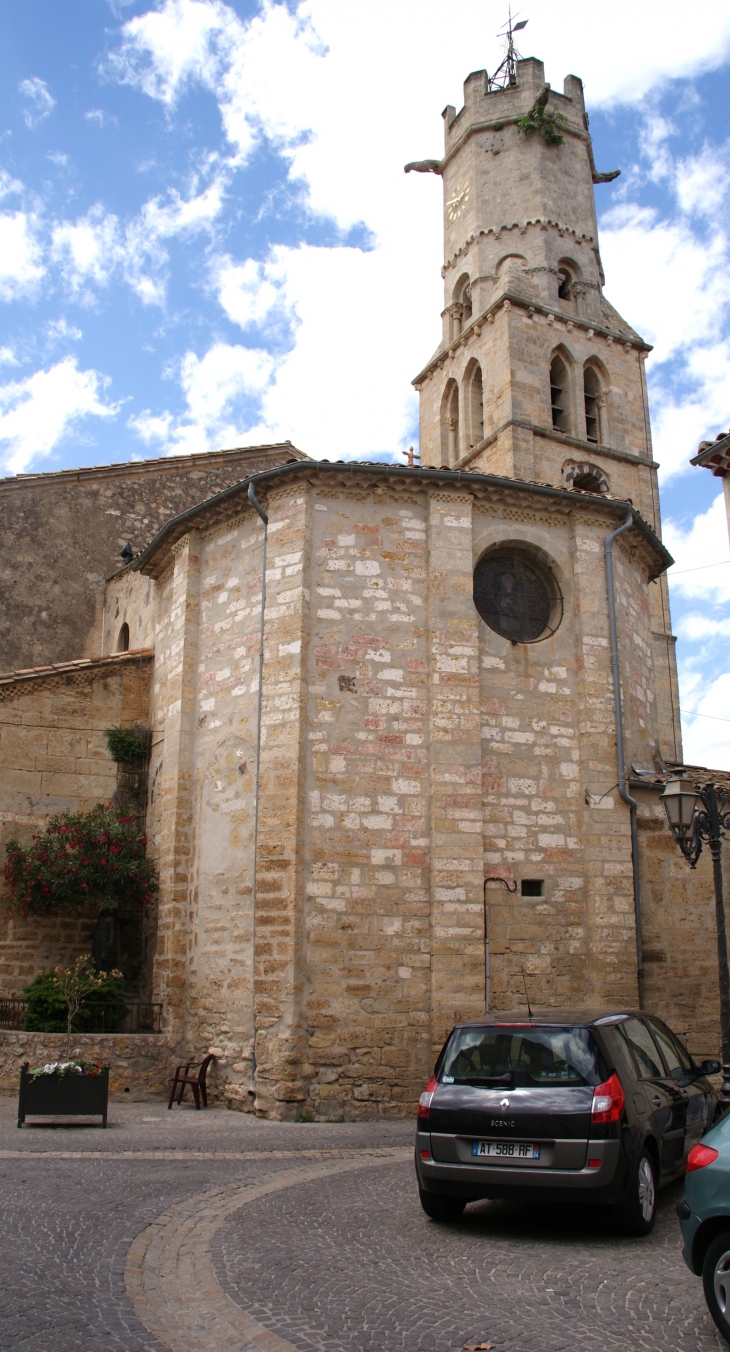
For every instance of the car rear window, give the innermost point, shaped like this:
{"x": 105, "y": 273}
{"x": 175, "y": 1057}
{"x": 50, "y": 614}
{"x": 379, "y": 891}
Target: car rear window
{"x": 522, "y": 1056}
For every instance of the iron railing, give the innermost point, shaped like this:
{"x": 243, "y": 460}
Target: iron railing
{"x": 129, "y": 1016}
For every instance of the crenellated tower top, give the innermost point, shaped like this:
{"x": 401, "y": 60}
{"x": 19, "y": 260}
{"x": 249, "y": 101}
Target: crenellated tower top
{"x": 501, "y": 180}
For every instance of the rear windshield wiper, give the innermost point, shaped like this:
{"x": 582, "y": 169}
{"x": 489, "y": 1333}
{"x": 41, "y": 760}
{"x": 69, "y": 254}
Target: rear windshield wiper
{"x": 484, "y": 1079}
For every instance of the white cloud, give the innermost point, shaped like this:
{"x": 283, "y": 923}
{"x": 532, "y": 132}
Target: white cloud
{"x": 248, "y": 292}
{"x": 21, "y": 266}
{"x": 89, "y": 250}
{"x": 8, "y": 357}
{"x": 216, "y": 388}
{"x": 304, "y": 80}
{"x": 102, "y": 118}
{"x": 38, "y": 100}
{"x": 60, "y": 331}
{"x": 695, "y": 627}
{"x": 37, "y": 412}
{"x": 706, "y": 738}
{"x": 96, "y": 247}
{"x": 704, "y": 542}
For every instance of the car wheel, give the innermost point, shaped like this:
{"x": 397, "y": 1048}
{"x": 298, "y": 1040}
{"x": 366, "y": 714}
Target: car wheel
{"x": 638, "y": 1213}
{"x": 716, "y": 1281}
{"x": 441, "y": 1208}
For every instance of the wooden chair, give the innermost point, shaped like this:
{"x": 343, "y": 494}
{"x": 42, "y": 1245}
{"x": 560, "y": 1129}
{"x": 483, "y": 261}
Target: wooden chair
{"x": 183, "y": 1076}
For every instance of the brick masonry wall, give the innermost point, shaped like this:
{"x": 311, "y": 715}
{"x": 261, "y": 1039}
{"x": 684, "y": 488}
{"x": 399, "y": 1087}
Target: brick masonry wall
{"x": 52, "y": 583}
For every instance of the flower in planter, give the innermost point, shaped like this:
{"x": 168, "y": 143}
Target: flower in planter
{"x": 61, "y": 1068}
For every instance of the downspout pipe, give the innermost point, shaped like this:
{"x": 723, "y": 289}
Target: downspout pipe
{"x": 620, "y": 749}
{"x": 260, "y": 511}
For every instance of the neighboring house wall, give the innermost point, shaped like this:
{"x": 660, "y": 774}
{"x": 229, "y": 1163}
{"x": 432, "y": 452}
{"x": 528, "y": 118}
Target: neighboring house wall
{"x": 62, "y": 533}
{"x": 679, "y": 925}
{"x": 53, "y": 759}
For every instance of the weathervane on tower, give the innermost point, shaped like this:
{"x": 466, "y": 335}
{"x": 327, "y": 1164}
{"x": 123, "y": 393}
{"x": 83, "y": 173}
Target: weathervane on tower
{"x": 506, "y": 74}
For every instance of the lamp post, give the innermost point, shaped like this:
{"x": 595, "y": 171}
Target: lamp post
{"x": 698, "y": 813}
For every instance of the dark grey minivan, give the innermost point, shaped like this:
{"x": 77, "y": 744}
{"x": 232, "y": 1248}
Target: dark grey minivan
{"x": 599, "y": 1107}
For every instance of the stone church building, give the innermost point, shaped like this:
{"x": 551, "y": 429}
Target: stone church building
{"x": 385, "y": 779}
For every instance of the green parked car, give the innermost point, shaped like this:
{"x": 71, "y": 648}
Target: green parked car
{"x": 704, "y": 1215}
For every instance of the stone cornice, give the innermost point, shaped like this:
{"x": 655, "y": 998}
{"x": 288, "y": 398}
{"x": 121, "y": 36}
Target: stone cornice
{"x": 587, "y": 448}
{"x": 509, "y": 300}
{"x": 522, "y": 226}
{"x": 381, "y": 478}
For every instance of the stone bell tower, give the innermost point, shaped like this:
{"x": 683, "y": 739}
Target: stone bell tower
{"x": 537, "y": 377}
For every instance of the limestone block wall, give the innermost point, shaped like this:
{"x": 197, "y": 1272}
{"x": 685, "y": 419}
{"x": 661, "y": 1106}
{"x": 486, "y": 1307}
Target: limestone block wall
{"x": 141, "y": 1067}
{"x": 514, "y": 348}
{"x": 679, "y": 930}
{"x": 51, "y": 606}
{"x": 406, "y": 750}
{"x": 54, "y": 758}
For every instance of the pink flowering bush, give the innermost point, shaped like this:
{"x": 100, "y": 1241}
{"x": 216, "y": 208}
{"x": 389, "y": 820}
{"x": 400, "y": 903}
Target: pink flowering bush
{"x": 85, "y": 858}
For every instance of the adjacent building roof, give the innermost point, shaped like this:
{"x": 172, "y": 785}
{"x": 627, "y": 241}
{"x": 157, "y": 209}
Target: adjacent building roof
{"x": 81, "y": 664}
{"x": 714, "y": 455}
{"x": 203, "y": 459}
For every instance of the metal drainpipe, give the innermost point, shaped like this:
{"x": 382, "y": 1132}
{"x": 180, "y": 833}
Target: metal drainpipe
{"x": 620, "y": 754}
{"x": 257, "y": 508}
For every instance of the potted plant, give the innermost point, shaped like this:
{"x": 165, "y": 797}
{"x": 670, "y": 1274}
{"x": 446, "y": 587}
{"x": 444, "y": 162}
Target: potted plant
{"x": 71, "y": 1087}
{"x": 64, "y": 1089}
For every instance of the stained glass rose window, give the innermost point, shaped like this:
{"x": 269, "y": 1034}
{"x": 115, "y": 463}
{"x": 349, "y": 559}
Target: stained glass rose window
{"x": 515, "y": 597}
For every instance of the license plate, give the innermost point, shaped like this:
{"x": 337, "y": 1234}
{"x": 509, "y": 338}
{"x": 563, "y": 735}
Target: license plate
{"x": 514, "y": 1150}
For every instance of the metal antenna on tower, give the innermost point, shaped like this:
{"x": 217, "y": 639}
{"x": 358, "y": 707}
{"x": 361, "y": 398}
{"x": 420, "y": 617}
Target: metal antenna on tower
{"x": 506, "y": 74}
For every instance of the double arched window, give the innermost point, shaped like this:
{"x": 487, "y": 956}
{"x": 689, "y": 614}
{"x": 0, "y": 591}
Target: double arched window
{"x": 582, "y": 411}
{"x": 462, "y": 415}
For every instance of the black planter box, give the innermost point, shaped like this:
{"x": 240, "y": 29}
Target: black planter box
{"x": 63, "y": 1095}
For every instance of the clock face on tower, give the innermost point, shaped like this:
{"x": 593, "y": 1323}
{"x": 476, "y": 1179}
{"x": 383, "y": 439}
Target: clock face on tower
{"x": 456, "y": 203}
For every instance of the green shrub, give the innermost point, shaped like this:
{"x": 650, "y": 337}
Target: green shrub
{"x": 128, "y": 746}
{"x": 547, "y": 122}
{"x": 47, "y": 1008}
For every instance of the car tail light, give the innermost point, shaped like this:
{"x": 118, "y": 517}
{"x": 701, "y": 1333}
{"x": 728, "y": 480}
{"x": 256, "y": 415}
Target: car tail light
{"x": 608, "y": 1101}
{"x": 424, "y": 1102}
{"x": 699, "y": 1157}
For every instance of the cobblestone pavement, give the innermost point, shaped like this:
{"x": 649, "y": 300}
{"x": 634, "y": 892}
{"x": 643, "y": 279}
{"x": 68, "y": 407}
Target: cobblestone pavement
{"x": 214, "y": 1231}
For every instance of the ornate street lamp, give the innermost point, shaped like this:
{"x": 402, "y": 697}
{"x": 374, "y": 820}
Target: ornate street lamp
{"x": 695, "y": 814}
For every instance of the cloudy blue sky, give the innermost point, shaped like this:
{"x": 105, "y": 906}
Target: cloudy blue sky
{"x": 207, "y": 239}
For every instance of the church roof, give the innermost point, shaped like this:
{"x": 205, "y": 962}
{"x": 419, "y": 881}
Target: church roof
{"x": 222, "y": 506}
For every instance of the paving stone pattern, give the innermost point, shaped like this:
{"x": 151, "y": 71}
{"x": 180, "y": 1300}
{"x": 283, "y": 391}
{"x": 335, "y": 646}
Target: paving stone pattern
{"x": 335, "y": 1255}
{"x": 354, "y": 1266}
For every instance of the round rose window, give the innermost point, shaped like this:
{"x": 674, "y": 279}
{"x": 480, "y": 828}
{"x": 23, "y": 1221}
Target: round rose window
{"x": 516, "y": 597}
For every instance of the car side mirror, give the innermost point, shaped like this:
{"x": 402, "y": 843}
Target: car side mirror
{"x": 710, "y": 1067}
